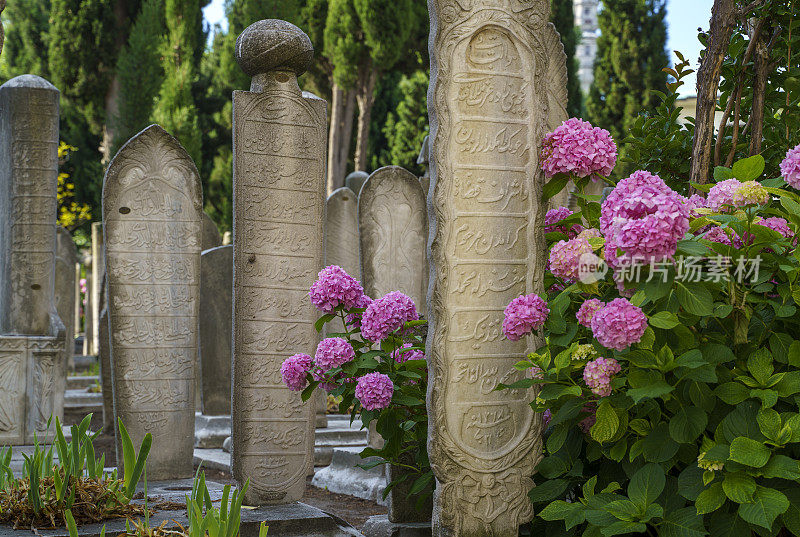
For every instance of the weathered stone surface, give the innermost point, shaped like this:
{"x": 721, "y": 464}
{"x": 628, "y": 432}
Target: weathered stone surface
{"x": 321, "y": 409}
{"x": 32, "y": 361}
{"x": 345, "y": 476}
{"x": 76, "y": 319}
{"x": 98, "y": 270}
{"x": 66, "y": 259}
{"x": 278, "y": 179}
{"x": 355, "y": 180}
{"x": 153, "y": 229}
{"x": 210, "y": 432}
{"x": 381, "y": 526}
{"x": 106, "y": 373}
{"x": 341, "y": 231}
{"x": 211, "y": 236}
{"x": 424, "y": 159}
{"x": 216, "y": 286}
{"x": 496, "y": 77}
{"x": 393, "y": 224}
{"x": 88, "y": 321}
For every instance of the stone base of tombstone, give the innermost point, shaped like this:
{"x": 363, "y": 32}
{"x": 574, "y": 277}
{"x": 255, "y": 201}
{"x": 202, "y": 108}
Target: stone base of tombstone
{"x": 380, "y": 526}
{"x": 79, "y": 403}
{"x": 211, "y": 431}
{"x": 290, "y": 520}
{"x": 343, "y": 476}
{"x": 33, "y": 378}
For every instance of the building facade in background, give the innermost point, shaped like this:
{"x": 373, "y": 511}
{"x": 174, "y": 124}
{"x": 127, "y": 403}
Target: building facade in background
{"x": 586, "y": 21}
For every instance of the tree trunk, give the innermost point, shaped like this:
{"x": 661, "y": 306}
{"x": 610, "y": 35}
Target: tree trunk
{"x": 341, "y": 129}
{"x": 365, "y": 97}
{"x": 761, "y": 68}
{"x": 721, "y": 26}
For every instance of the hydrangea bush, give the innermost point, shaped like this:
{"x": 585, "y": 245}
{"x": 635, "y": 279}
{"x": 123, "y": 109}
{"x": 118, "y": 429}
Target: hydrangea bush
{"x": 669, "y": 381}
{"x": 375, "y": 363}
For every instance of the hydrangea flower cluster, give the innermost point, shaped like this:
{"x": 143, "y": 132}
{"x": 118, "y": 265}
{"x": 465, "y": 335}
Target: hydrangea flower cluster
{"x": 776, "y": 223}
{"x": 554, "y": 216}
{"x": 722, "y": 194}
{"x": 790, "y": 167}
{"x": 597, "y": 375}
{"x": 335, "y": 287}
{"x": 587, "y": 311}
{"x": 723, "y": 236}
{"x": 547, "y": 417}
{"x": 706, "y": 464}
{"x": 374, "y": 391}
{"x": 591, "y": 233}
{"x": 586, "y": 423}
{"x": 576, "y": 147}
{"x": 750, "y": 193}
{"x": 523, "y": 315}
{"x": 355, "y": 318}
{"x": 565, "y": 257}
{"x": 333, "y": 352}
{"x": 400, "y": 355}
{"x": 618, "y": 324}
{"x": 387, "y": 314}
{"x": 294, "y": 370}
{"x": 583, "y": 352}
{"x": 644, "y": 218}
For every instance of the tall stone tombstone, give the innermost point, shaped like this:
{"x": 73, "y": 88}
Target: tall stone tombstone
{"x": 98, "y": 270}
{"x": 393, "y": 225}
{"x": 88, "y": 318}
{"x": 152, "y": 205}
{"x": 211, "y": 236}
{"x": 341, "y": 231}
{"x": 76, "y": 319}
{"x": 497, "y": 85}
{"x": 279, "y": 139}
{"x": 216, "y": 287}
{"x": 106, "y": 374}
{"x": 32, "y": 357}
{"x": 66, "y": 259}
{"x": 355, "y": 180}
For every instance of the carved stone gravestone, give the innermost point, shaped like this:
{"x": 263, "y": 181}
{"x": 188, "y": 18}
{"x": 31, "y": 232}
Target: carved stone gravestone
{"x": 393, "y": 224}
{"x": 76, "y": 319}
{"x": 216, "y": 286}
{"x": 497, "y": 85}
{"x": 88, "y": 320}
{"x": 341, "y": 231}
{"x": 279, "y": 194}
{"x": 32, "y": 357}
{"x": 153, "y": 229}
{"x": 106, "y": 374}
{"x": 211, "y": 236}
{"x": 355, "y": 180}
{"x": 66, "y": 259}
{"x": 98, "y": 270}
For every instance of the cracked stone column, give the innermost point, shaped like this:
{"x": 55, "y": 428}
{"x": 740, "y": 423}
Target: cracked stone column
{"x": 279, "y": 136}
{"x": 498, "y": 84}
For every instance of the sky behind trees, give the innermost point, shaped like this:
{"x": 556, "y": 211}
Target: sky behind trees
{"x": 683, "y": 19}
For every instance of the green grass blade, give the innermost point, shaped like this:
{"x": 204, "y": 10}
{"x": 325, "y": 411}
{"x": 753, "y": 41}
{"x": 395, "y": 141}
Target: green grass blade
{"x": 71, "y": 526}
{"x": 127, "y": 454}
{"x": 139, "y": 466}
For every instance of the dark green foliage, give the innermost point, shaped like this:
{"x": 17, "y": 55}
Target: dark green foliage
{"x": 407, "y": 126}
{"x": 175, "y": 109}
{"x": 563, "y": 18}
{"x": 344, "y": 42}
{"x": 140, "y": 72}
{"x": 82, "y": 54}
{"x": 658, "y": 142}
{"x": 27, "y": 38}
{"x": 630, "y": 56}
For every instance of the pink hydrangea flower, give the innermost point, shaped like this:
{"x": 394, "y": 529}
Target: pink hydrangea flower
{"x": 776, "y": 223}
{"x": 374, "y": 391}
{"x": 598, "y": 373}
{"x": 354, "y": 319}
{"x": 554, "y": 216}
{"x": 387, "y": 314}
{"x": 333, "y": 352}
{"x": 335, "y": 287}
{"x": 694, "y": 202}
{"x": 294, "y": 370}
{"x": 565, "y": 257}
{"x": 790, "y": 167}
{"x": 591, "y": 233}
{"x": 587, "y": 311}
{"x": 401, "y": 355}
{"x": 577, "y": 148}
{"x": 586, "y": 423}
{"x": 612, "y": 206}
{"x": 723, "y": 236}
{"x": 643, "y": 218}
{"x": 547, "y": 417}
{"x": 619, "y": 324}
{"x": 523, "y": 315}
{"x": 750, "y": 193}
{"x": 722, "y": 194}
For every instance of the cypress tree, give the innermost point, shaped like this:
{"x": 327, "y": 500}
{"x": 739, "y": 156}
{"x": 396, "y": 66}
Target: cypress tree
{"x": 175, "y": 109}
{"x": 630, "y": 56}
{"x": 140, "y": 72}
{"x": 563, "y": 18}
{"x": 27, "y": 37}
{"x": 406, "y": 127}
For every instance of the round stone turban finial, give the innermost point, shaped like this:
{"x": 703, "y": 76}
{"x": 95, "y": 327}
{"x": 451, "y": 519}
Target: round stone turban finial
{"x": 273, "y": 45}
